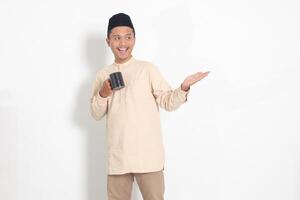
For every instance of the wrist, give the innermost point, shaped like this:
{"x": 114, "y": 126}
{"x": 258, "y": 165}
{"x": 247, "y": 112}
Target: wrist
{"x": 101, "y": 95}
{"x": 185, "y": 88}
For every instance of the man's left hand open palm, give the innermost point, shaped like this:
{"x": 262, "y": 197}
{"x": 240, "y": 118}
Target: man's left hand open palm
{"x": 194, "y": 78}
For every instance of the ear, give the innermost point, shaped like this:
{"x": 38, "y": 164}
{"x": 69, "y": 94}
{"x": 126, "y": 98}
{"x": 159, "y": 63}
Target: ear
{"x": 107, "y": 41}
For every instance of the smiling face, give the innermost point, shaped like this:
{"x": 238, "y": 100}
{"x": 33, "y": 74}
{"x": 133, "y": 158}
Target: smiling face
{"x": 121, "y": 40}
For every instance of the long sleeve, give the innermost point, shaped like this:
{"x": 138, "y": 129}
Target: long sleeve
{"x": 98, "y": 104}
{"x": 165, "y": 97}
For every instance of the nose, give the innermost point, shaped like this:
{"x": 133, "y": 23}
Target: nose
{"x": 123, "y": 41}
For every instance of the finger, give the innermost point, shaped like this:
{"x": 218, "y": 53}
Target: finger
{"x": 108, "y": 85}
{"x": 108, "y": 82}
{"x": 204, "y": 74}
{"x": 207, "y": 72}
{"x": 199, "y": 77}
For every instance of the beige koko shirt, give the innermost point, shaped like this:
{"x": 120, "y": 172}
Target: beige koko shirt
{"x": 134, "y": 138}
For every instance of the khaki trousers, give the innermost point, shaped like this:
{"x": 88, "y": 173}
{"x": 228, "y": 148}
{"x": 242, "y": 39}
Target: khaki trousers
{"x": 151, "y": 185}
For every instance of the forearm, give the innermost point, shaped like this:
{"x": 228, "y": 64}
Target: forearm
{"x": 172, "y": 99}
{"x": 98, "y": 106}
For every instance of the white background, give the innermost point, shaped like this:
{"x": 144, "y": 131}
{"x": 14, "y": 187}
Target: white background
{"x": 236, "y": 138}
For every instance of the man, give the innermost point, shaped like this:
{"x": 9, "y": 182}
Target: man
{"x": 134, "y": 140}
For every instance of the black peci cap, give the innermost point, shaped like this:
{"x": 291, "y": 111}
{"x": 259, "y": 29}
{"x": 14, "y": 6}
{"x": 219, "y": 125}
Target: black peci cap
{"x": 120, "y": 19}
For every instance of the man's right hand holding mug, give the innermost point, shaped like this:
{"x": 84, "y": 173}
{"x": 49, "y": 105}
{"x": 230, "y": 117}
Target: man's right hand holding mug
{"x": 106, "y": 89}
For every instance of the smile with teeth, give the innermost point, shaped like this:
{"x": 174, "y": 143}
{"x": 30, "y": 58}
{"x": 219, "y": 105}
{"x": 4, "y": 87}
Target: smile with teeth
{"x": 122, "y": 50}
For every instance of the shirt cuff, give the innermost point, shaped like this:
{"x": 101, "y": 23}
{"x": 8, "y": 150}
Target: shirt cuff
{"x": 182, "y": 94}
{"x": 101, "y": 100}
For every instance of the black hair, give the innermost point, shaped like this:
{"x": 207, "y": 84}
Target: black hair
{"x": 120, "y": 19}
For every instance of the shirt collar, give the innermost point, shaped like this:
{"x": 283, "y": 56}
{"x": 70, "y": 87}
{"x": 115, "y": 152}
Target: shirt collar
{"x": 124, "y": 64}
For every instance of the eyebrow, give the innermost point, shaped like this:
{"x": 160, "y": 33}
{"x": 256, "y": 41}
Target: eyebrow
{"x": 121, "y": 35}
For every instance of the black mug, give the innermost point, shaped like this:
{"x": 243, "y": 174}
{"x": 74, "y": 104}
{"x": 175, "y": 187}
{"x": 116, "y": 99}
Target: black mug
{"x": 116, "y": 80}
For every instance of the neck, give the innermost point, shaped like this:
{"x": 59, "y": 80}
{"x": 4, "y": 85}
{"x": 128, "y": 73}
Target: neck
{"x": 122, "y": 61}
